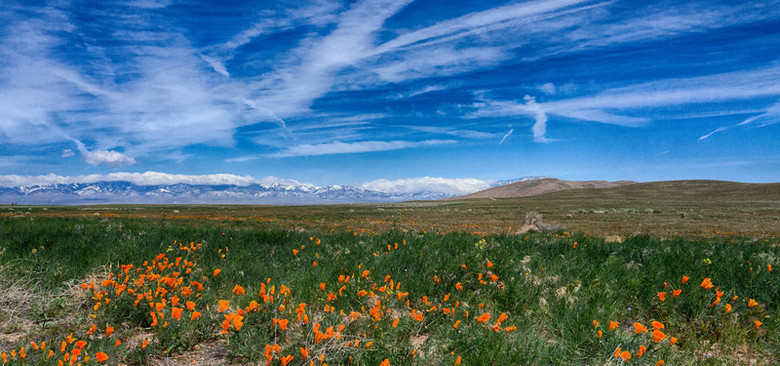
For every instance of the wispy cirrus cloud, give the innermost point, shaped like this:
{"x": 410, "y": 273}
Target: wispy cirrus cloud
{"x": 612, "y": 105}
{"x": 333, "y": 148}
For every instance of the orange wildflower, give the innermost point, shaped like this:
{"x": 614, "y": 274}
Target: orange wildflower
{"x": 685, "y": 279}
{"x": 101, "y": 357}
{"x": 599, "y": 334}
{"x": 727, "y": 308}
{"x": 190, "y": 305}
{"x": 642, "y": 350}
{"x": 613, "y": 325}
{"x": 283, "y": 324}
{"x": 146, "y": 343}
{"x": 716, "y": 302}
{"x": 676, "y": 293}
{"x": 639, "y": 328}
{"x": 707, "y": 284}
{"x": 364, "y": 274}
{"x": 657, "y": 325}
{"x": 625, "y": 355}
{"x": 483, "y": 318}
{"x": 216, "y": 272}
{"x": 109, "y": 331}
{"x": 195, "y": 315}
{"x": 503, "y": 317}
{"x": 395, "y": 322}
{"x": 455, "y": 326}
{"x": 617, "y": 353}
{"x": 752, "y": 303}
{"x": 295, "y": 251}
{"x": 385, "y": 362}
{"x": 662, "y": 296}
{"x": 659, "y": 363}
{"x": 223, "y": 305}
{"x": 458, "y": 361}
{"x": 658, "y": 336}
{"x": 176, "y": 313}
{"x": 239, "y": 290}
{"x": 322, "y": 286}
{"x": 757, "y": 324}
{"x": 672, "y": 341}
{"x": 286, "y": 360}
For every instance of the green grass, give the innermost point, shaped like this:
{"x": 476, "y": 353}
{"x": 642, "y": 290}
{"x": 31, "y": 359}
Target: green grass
{"x": 550, "y": 290}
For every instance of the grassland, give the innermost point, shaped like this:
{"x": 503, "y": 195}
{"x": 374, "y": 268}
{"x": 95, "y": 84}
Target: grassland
{"x": 407, "y": 284}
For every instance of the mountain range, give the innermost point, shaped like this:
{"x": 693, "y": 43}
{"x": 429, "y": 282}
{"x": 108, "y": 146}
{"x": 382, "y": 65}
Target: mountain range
{"x": 280, "y": 193}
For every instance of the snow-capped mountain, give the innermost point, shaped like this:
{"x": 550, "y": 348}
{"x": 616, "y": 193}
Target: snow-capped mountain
{"x": 130, "y": 193}
{"x": 273, "y": 191}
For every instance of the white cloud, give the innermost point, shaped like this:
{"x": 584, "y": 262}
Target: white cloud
{"x": 216, "y": 64}
{"x": 719, "y": 129}
{"x": 144, "y": 179}
{"x": 547, "y": 88}
{"x": 109, "y": 157}
{"x": 453, "y": 186}
{"x": 734, "y": 86}
{"x": 67, "y": 153}
{"x": 508, "y": 133}
{"x": 332, "y": 148}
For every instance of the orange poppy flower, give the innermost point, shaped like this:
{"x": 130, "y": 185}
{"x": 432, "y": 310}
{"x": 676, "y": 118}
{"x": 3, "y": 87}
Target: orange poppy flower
{"x": 757, "y": 323}
{"x": 395, "y": 322}
{"x": 190, "y": 305}
{"x": 707, "y": 284}
{"x": 613, "y": 325}
{"x": 642, "y": 350}
{"x": 676, "y": 293}
{"x": 195, "y": 315}
{"x": 599, "y": 334}
{"x": 662, "y": 296}
{"x": 109, "y": 331}
{"x": 625, "y": 355}
{"x": 455, "y": 326}
{"x": 101, "y": 357}
{"x": 385, "y": 362}
{"x": 672, "y": 341}
{"x": 752, "y": 303}
{"x": 483, "y": 318}
{"x": 617, "y": 353}
{"x": 286, "y": 360}
{"x": 685, "y": 279}
{"x": 176, "y": 313}
{"x": 659, "y": 363}
{"x": 216, "y": 272}
{"x": 223, "y": 305}
{"x": 239, "y": 290}
{"x": 458, "y": 361}
{"x": 658, "y": 336}
{"x": 639, "y": 328}
{"x": 657, "y": 325}
{"x": 727, "y": 308}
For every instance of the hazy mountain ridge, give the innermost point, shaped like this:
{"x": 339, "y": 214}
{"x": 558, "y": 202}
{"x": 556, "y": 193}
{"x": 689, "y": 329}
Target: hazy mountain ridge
{"x": 126, "y": 192}
{"x": 537, "y": 186}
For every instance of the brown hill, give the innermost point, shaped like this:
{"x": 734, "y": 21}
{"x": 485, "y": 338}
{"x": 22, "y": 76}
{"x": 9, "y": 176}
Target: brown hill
{"x": 539, "y": 186}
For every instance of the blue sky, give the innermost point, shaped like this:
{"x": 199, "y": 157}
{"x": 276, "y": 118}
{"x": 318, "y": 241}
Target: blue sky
{"x": 334, "y": 92}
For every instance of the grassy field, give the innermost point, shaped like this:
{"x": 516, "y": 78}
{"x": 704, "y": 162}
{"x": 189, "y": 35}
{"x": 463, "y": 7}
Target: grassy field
{"x": 686, "y": 282}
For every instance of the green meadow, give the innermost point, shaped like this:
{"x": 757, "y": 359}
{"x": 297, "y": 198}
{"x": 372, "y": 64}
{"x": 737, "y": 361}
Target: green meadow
{"x": 124, "y": 288}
